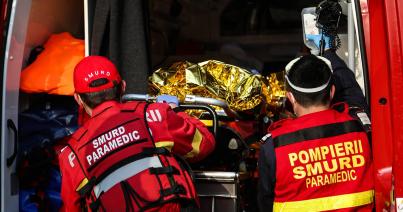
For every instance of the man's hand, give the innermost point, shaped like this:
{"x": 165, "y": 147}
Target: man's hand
{"x": 171, "y": 100}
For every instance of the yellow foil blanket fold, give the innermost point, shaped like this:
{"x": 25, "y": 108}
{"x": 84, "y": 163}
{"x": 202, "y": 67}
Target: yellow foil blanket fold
{"x": 241, "y": 89}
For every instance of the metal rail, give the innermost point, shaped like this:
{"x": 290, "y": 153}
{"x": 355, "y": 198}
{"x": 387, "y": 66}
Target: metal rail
{"x": 211, "y": 101}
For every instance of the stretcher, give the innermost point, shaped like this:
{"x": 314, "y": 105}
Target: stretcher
{"x": 226, "y": 180}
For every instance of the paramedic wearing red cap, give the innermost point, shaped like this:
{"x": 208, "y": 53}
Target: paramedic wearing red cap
{"x": 320, "y": 160}
{"x": 121, "y": 158}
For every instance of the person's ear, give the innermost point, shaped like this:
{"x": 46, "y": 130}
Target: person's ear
{"x": 291, "y": 97}
{"x": 81, "y": 103}
{"x": 78, "y": 99}
{"x": 123, "y": 86}
{"x": 332, "y": 91}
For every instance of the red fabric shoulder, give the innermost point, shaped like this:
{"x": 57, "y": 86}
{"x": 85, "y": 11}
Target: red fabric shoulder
{"x": 131, "y": 106}
{"x": 311, "y": 120}
{"x": 341, "y": 107}
{"x": 79, "y": 132}
{"x": 279, "y": 124}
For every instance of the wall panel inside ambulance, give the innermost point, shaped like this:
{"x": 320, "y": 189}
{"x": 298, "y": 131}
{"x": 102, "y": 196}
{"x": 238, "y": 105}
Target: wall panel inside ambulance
{"x": 30, "y": 181}
{"x": 258, "y": 37}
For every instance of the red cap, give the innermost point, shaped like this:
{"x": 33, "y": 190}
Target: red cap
{"x": 92, "y": 68}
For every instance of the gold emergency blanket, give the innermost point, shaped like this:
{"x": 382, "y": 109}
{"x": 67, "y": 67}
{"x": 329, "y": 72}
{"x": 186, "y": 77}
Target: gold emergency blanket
{"x": 241, "y": 89}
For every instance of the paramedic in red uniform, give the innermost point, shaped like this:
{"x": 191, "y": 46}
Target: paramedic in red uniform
{"x": 122, "y": 159}
{"x": 320, "y": 160}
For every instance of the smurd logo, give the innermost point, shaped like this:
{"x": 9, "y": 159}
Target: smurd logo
{"x": 96, "y": 73}
{"x": 328, "y": 164}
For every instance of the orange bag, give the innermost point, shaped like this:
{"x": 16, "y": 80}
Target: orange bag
{"x": 52, "y": 71}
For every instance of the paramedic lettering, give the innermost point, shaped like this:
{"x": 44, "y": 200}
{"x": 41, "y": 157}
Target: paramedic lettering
{"x": 133, "y": 168}
{"x": 319, "y": 165}
{"x": 110, "y": 141}
{"x": 320, "y": 160}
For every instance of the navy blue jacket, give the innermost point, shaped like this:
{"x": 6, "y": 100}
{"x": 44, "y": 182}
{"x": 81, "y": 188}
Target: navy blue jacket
{"x": 347, "y": 88}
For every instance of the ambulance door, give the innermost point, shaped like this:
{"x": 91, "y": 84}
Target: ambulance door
{"x": 386, "y": 74}
{"x": 15, "y": 26}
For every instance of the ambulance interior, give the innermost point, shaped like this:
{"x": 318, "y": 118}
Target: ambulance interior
{"x": 256, "y": 35}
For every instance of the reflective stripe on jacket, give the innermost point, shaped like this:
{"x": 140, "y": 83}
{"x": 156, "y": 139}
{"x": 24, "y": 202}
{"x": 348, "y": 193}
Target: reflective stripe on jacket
{"x": 114, "y": 158}
{"x": 323, "y": 162}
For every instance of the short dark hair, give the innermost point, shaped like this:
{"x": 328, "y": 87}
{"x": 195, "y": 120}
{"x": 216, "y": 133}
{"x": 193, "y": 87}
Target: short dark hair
{"x": 94, "y": 99}
{"x": 310, "y": 72}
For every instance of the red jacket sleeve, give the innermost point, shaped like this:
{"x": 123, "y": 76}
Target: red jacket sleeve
{"x": 72, "y": 176}
{"x": 179, "y": 132}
